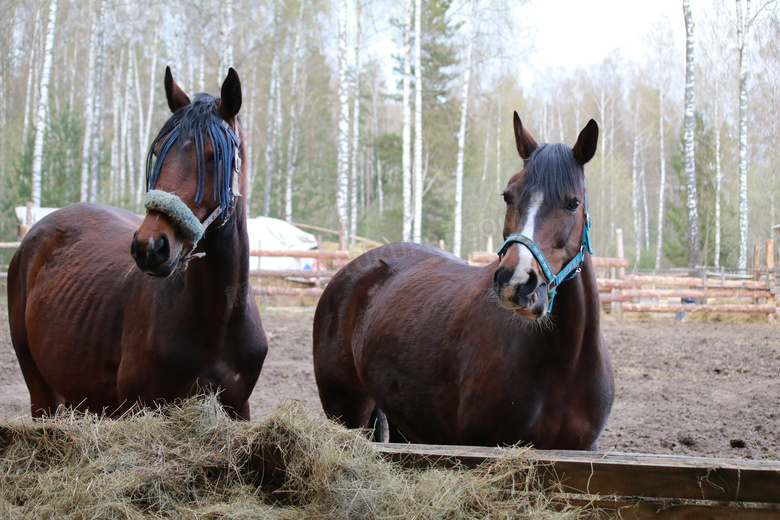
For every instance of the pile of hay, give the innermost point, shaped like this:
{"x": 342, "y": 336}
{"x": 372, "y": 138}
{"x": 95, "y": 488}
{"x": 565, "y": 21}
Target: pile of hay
{"x": 191, "y": 461}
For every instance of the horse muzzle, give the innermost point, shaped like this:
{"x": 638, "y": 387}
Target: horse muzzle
{"x": 153, "y": 256}
{"x": 527, "y": 298}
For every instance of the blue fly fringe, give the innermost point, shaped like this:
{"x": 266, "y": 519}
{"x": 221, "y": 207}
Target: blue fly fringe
{"x": 193, "y": 122}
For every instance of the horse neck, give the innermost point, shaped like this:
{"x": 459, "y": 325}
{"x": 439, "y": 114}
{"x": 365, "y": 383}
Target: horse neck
{"x": 226, "y": 263}
{"x": 576, "y": 311}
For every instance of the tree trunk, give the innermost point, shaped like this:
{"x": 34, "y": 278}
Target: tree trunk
{"x": 342, "y": 196}
{"x": 30, "y": 78}
{"x": 271, "y": 130}
{"x": 43, "y": 107}
{"x": 742, "y": 29}
{"x": 353, "y": 203}
{"x": 145, "y": 123}
{"x": 718, "y": 177}
{"x": 645, "y": 212}
{"x": 89, "y": 107}
{"x": 96, "y": 112}
{"x": 458, "y": 234}
{"x": 418, "y": 129}
{"x": 407, "y": 125}
{"x": 694, "y": 251}
{"x": 114, "y": 196}
{"x": 635, "y": 189}
{"x": 292, "y": 140}
{"x": 662, "y": 181}
{"x": 498, "y": 145}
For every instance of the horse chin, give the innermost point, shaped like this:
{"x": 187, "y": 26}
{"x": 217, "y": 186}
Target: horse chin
{"x": 164, "y": 270}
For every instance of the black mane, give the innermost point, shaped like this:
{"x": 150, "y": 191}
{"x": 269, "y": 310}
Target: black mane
{"x": 552, "y": 170}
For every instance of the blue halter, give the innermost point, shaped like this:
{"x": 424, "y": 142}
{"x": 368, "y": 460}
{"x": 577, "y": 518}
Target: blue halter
{"x": 568, "y": 272}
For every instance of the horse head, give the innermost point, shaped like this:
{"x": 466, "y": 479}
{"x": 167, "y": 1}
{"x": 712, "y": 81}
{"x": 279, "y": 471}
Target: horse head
{"x": 192, "y": 176}
{"x": 546, "y": 223}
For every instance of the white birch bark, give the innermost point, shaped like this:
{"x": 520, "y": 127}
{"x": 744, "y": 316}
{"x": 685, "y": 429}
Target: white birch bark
{"x": 249, "y": 124}
{"x": 96, "y": 112}
{"x": 144, "y": 126}
{"x": 635, "y": 189}
{"x": 694, "y": 252}
{"x": 30, "y": 78}
{"x": 43, "y": 106}
{"x": 407, "y": 125}
{"x": 124, "y": 165}
{"x": 270, "y": 144}
{"x": 458, "y": 234}
{"x": 353, "y": 178}
{"x": 342, "y": 195}
{"x": 498, "y": 147}
{"x": 661, "y": 181}
{"x": 718, "y": 176}
{"x": 645, "y": 213}
{"x": 742, "y": 29}
{"x": 487, "y": 145}
{"x": 418, "y": 129}
{"x": 116, "y": 134}
{"x": 89, "y": 107}
{"x": 292, "y": 140}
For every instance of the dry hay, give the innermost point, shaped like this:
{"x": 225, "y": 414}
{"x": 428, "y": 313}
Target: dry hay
{"x": 191, "y": 461}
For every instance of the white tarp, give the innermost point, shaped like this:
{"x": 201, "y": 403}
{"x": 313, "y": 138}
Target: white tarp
{"x": 37, "y": 214}
{"x": 271, "y": 233}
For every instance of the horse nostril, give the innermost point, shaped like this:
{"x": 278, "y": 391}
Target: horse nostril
{"x": 502, "y": 276}
{"x": 162, "y": 249}
{"x": 134, "y": 246}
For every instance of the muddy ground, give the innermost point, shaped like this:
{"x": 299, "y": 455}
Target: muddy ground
{"x": 699, "y": 389}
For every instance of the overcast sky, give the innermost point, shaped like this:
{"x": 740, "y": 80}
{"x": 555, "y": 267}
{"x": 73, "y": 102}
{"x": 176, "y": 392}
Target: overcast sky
{"x": 580, "y": 33}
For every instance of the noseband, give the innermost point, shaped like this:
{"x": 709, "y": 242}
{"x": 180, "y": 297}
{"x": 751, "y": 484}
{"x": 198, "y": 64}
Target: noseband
{"x": 568, "y": 272}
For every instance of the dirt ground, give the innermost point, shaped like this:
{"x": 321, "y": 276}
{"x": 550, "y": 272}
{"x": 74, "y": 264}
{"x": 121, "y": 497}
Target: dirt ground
{"x": 697, "y": 389}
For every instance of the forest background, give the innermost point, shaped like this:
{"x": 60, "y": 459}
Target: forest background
{"x": 329, "y": 127}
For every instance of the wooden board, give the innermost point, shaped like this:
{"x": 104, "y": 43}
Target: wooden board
{"x": 626, "y": 478}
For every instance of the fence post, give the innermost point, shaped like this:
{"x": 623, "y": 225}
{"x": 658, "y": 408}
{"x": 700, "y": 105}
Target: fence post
{"x": 770, "y": 277}
{"x": 756, "y": 263}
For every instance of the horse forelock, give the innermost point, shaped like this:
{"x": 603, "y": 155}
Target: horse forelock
{"x": 552, "y": 171}
{"x": 190, "y": 124}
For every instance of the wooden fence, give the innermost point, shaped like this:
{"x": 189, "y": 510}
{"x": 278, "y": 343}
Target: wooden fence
{"x": 635, "y": 486}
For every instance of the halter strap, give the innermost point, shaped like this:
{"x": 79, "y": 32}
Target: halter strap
{"x": 569, "y": 271}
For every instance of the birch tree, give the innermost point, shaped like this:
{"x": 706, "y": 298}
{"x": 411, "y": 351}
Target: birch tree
{"x": 353, "y": 203}
{"x": 742, "y": 29}
{"x": 407, "y": 125}
{"x": 694, "y": 251}
{"x": 635, "y": 186}
{"x": 95, "y": 134}
{"x": 458, "y": 234}
{"x": 43, "y": 107}
{"x": 292, "y": 140}
{"x": 418, "y": 130}
{"x": 342, "y": 159}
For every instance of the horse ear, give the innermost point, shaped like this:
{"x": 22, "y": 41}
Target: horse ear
{"x": 176, "y": 96}
{"x": 585, "y": 148}
{"x": 230, "y": 96}
{"x": 525, "y": 143}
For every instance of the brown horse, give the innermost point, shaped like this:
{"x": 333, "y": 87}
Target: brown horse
{"x": 105, "y": 312}
{"x": 459, "y": 354}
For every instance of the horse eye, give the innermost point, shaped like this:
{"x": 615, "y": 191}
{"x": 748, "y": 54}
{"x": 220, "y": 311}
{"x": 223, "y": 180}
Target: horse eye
{"x": 572, "y": 204}
{"x": 507, "y": 198}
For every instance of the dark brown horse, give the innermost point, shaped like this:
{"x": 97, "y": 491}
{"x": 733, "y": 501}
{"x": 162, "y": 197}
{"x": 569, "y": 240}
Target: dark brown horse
{"x": 104, "y": 310}
{"x": 459, "y": 354}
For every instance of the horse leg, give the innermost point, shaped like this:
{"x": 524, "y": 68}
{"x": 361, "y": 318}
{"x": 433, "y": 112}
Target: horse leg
{"x": 43, "y": 399}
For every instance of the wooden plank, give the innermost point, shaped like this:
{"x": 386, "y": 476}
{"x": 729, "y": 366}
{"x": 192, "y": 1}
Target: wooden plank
{"x": 9, "y": 245}
{"x": 659, "y": 509}
{"x": 292, "y": 273}
{"x": 270, "y": 290}
{"x": 694, "y": 293}
{"x": 621, "y": 474}
{"x": 689, "y": 307}
{"x": 691, "y": 282}
{"x": 309, "y": 253}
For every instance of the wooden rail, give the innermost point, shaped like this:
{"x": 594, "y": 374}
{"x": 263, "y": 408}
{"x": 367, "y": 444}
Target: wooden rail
{"x": 631, "y": 485}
